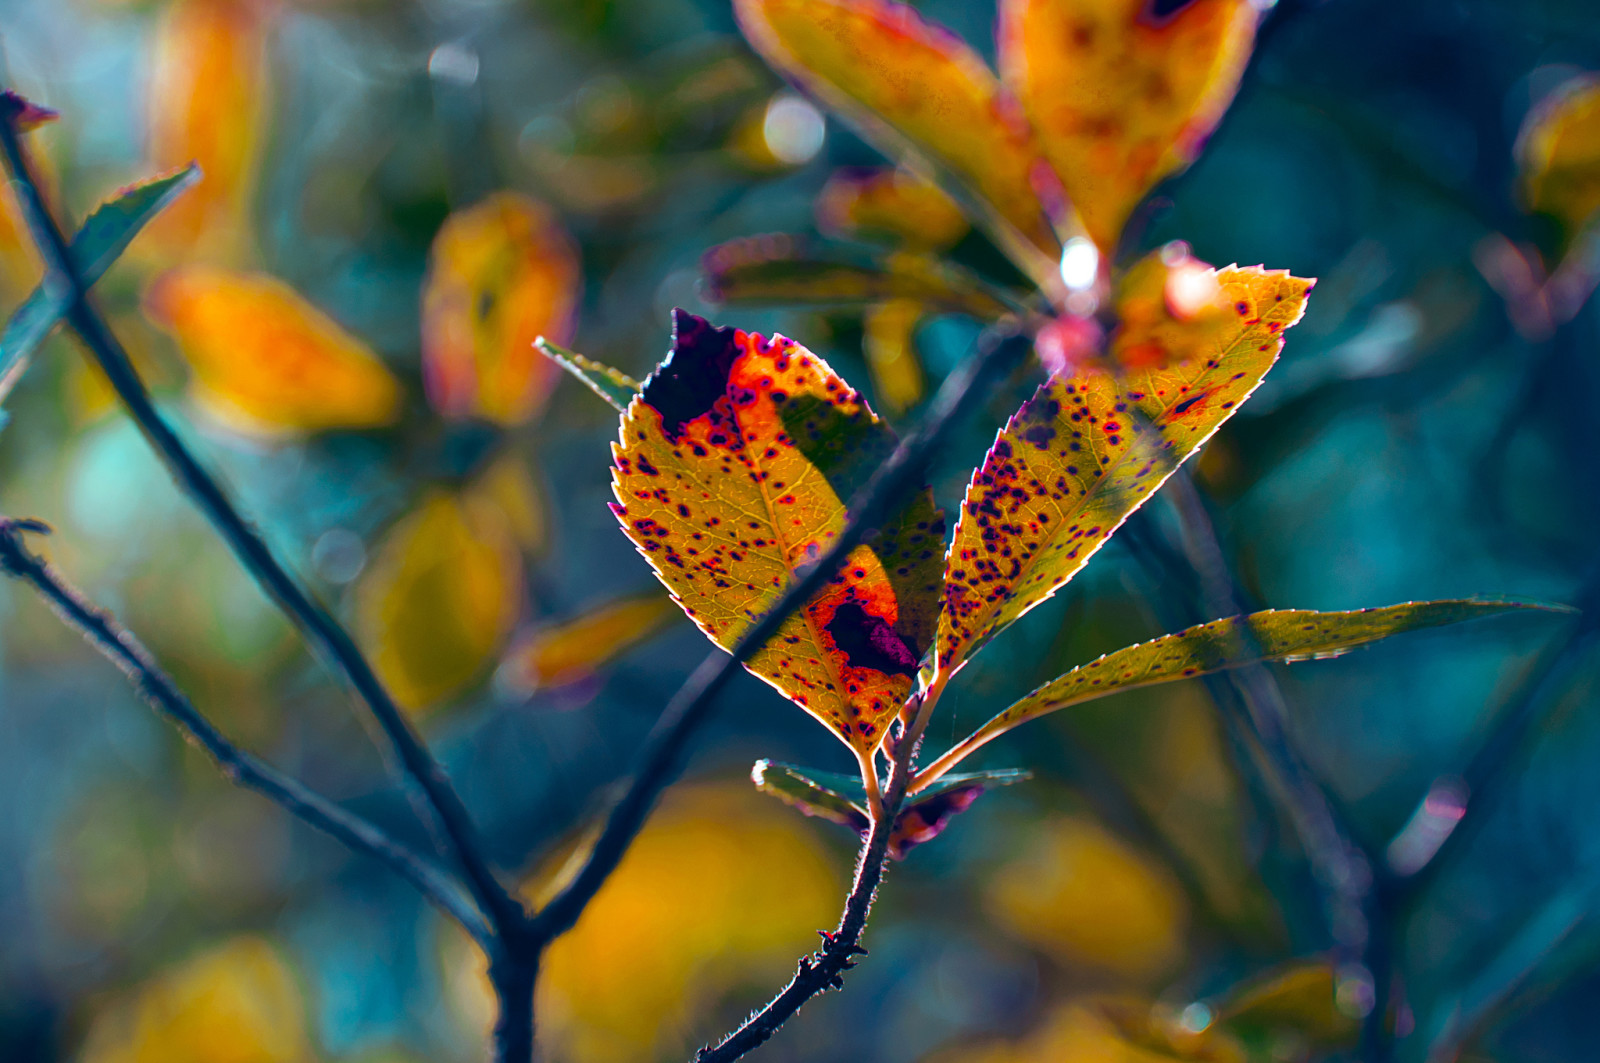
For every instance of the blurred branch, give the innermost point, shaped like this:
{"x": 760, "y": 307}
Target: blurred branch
{"x": 119, "y": 645}
{"x": 324, "y": 632}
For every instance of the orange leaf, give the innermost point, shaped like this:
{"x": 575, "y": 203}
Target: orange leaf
{"x": 208, "y": 101}
{"x": 1120, "y": 97}
{"x": 729, "y": 478}
{"x": 1559, "y": 153}
{"x": 560, "y": 654}
{"x": 910, "y": 84}
{"x": 439, "y": 598}
{"x": 1170, "y": 307}
{"x": 501, "y": 274}
{"x": 1086, "y": 451}
{"x": 889, "y": 203}
{"x": 264, "y": 359}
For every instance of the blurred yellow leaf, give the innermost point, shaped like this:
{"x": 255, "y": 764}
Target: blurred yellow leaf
{"x": 1300, "y": 995}
{"x": 1081, "y": 895}
{"x": 439, "y": 598}
{"x": 501, "y": 274}
{"x": 720, "y": 893}
{"x": 1090, "y": 1032}
{"x": 1121, "y": 97}
{"x": 889, "y": 203}
{"x": 207, "y": 102}
{"x": 1170, "y": 308}
{"x": 891, "y": 356}
{"x": 907, "y": 83}
{"x": 235, "y": 1003}
{"x": 264, "y": 359}
{"x": 558, "y": 654}
{"x": 1559, "y": 154}
{"x": 509, "y": 486}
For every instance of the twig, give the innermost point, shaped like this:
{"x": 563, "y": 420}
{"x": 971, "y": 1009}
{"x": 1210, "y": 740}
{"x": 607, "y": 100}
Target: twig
{"x": 241, "y": 768}
{"x": 963, "y": 391}
{"x": 324, "y": 632}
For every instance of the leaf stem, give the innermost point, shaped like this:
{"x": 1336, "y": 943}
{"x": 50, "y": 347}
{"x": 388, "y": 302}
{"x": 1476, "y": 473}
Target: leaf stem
{"x": 319, "y": 626}
{"x": 123, "y": 649}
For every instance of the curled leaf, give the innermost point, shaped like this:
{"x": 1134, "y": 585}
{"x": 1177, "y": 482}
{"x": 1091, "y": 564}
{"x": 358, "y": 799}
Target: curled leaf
{"x": 1121, "y": 96}
{"x": 501, "y": 274}
{"x": 264, "y": 359}
{"x": 439, "y": 598}
{"x": 569, "y": 652}
{"x": 909, "y": 84}
{"x": 729, "y": 478}
{"x": 1086, "y": 451}
{"x": 889, "y": 203}
{"x": 24, "y": 115}
{"x": 1558, "y": 152}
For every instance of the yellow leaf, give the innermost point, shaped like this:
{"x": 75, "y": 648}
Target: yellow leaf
{"x": 891, "y": 357}
{"x": 264, "y": 359}
{"x": 508, "y": 486}
{"x": 559, "y": 654}
{"x": 1170, "y": 307}
{"x": 1086, "y": 451}
{"x": 889, "y": 203}
{"x": 907, "y": 83}
{"x": 439, "y": 598}
{"x": 1082, "y": 896}
{"x": 501, "y": 274}
{"x": 207, "y": 102}
{"x": 719, "y": 893}
{"x": 1301, "y": 995}
{"x": 235, "y": 1003}
{"x": 1120, "y": 97}
{"x": 729, "y": 478}
{"x": 1559, "y": 154}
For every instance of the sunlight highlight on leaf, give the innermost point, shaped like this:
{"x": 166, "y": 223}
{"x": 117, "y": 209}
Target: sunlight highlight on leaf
{"x": 1171, "y": 307}
{"x": 439, "y": 598}
{"x": 1087, "y": 450}
{"x": 501, "y": 274}
{"x": 1558, "y": 152}
{"x": 907, "y": 83}
{"x": 1120, "y": 96}
{"x": 264, "y": 359}
{"x": 729, "y": 477}
{"x": 571, "y": 651}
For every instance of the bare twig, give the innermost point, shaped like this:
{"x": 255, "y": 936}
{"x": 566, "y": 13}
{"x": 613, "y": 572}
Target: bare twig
{"x": 125, "y": 651}
{"x": 323, "y": 631}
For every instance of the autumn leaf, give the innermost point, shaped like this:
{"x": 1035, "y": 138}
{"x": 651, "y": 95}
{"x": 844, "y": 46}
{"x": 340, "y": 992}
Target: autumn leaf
{"x": 564, "y": 653}
{"x": 614, "y": 386}
{"x": 729, "y": 477}
{"x": 891, "y": 204}
{"x": 1272, "y": 635}
{"x": 910, "y": 85}
{"x": 439, "y": 598}
{"x": 501, "y": 274}
{"x": 887, "y": 341}
{"x": 1122, "y": 97}
{"x": 1558, "y": 152}
{"x": 1171, "y": 307}
{"x": 1299, "y": 996}
{"x": 22, "y": 113}
{"x": 208, "y": 101}
{"x": 264, "y": 359}
{"x": 1086, "y": 451}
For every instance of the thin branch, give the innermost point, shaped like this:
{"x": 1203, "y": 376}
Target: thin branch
{"x": 963, "y": 391}
{"x": 323, "y": 631}
{"x": 120, "y": 646}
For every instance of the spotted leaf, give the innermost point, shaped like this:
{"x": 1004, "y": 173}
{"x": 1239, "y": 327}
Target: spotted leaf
{"x": 1121, "y": 96}
{"x": 500, "y": 275}
{"x": 1558, "y": 152}
{"x": 911, "y": 85}
{"x": 731, "y": 475}
{"x": 1087, "y": 450}
{"x": 1272, "y": 635}
{"x": 266, "y": 360}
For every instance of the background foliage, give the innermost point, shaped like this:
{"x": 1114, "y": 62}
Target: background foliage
{"x": 1420, "y": 439}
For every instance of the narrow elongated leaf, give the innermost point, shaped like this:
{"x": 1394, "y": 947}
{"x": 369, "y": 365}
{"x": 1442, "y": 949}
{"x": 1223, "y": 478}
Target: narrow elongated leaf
{"x": 501, "y": 274}
{"x": 564, "y": 653}
{"x": 1087, "y": 450}
{"x": 1558, "y": 152}
{"x": 910, "y": 84}
{"x": 776, "y": 269}
{"x": 890, "y": 204}
{"x": 729, "y": 477}
{"x": 266, "y": 360}
{"x": 1272, "y": 635}
{"x": 613, "y": 385}
{"x": 104, "y": 236}
{"x": 1122, "y": 97}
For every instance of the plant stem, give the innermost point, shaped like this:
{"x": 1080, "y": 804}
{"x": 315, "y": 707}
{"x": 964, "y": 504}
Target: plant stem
{"x": 514, "y": 975}
{"x": 119, "y": 645}
{"x": 323, "y": 631}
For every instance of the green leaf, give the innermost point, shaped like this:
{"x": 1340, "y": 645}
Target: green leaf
{"x": 774, "y": 269}
{"x": 103, "y": 238}
{"x": 613, "y": 385}
{"x": 1273, "y": 635}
